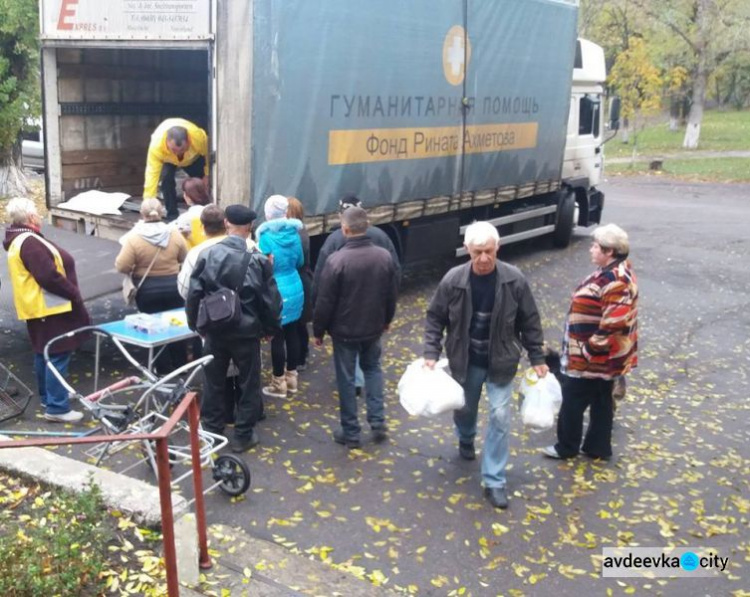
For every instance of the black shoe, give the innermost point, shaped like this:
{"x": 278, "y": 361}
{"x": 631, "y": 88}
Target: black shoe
{"x": 358, "y": 390}
{"x": 349, "y": 442}
{"x": 213, "y": 430}
{"x": 595, "y": 456}
{"x": 243, "y": 445}
{"x": 467, "y": 451}
{"x": 497, "y": 497}
{"x": 379, "y": 434}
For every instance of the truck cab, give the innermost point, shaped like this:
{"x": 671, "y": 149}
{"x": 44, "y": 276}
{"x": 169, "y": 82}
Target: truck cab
{"x": 584, "y": 146}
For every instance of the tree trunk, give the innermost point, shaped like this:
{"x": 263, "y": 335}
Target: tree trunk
{"x": 700, "y": 79}
{"x": 13, "y": 182}
{"x": 695, "y": 118}
{"x": 625, "y": 131}
{"x": 635, "y": 141}
{"x": 674, "y": 114}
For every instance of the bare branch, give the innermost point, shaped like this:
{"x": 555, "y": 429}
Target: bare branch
{"x": 645, "y": 6}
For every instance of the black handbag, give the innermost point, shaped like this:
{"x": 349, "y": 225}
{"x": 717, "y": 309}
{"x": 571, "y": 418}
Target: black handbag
{"x": 222, "y": 310}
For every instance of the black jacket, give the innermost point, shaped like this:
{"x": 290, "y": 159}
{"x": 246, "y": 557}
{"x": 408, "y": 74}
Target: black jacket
{"x": 515, "y": 322}
{"x": 336, "y": 240}
{"x": 218, "y": 267}
{"x": 306, "y": 275}
{"x": 357, "y": 292}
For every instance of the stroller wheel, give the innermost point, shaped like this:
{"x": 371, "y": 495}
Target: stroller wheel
{"x": 232, "y": 473}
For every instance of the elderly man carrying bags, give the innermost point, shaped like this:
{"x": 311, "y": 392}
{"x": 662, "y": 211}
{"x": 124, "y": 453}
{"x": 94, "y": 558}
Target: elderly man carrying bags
{"x": 489, "y": 313}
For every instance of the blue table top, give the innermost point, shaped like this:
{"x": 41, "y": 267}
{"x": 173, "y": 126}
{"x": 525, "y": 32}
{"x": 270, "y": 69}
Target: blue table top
{"x": 129, "y": 335}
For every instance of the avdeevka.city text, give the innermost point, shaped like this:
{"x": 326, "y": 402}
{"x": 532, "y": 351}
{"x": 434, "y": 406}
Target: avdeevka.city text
{"x": 712, "y": 560}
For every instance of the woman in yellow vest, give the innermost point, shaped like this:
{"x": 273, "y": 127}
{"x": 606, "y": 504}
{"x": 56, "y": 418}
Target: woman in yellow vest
{"x": 46, "y": 296}
{"x": 189, "y": 223}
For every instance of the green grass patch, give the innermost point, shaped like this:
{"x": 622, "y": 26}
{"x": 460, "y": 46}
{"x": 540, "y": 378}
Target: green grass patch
{"x": 53, "y": 542}
{"x": 710, "y": 169}
{"x": 57, "y": 547}
{"x": 720, "y": 131}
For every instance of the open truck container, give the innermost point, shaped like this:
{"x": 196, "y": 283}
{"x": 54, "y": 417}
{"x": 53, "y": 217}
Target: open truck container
{"x": 434, "y": 113}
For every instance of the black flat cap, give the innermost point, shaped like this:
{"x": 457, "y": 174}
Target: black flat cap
{"x": 349, "y": 201}
{"x": 239, "y": 215}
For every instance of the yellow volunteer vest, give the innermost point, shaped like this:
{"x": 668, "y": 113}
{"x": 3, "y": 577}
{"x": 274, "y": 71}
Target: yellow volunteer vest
{"x": 31, "y": 300}
{"x": 197, "y": 235}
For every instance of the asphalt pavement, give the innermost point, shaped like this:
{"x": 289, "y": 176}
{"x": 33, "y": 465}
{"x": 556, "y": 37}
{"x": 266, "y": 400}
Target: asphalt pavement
{"x": 409, "y": 514}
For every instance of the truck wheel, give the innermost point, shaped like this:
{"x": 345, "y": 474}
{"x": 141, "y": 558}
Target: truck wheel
{"x": 564, "y": 224}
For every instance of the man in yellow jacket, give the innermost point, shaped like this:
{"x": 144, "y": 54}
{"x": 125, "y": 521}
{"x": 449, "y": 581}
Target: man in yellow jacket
{"x": 176, "y": 143}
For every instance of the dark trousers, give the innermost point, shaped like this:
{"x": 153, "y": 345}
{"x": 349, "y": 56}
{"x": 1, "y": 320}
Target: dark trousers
{"x": 246, "y": 355}
{"x": 579, "y": 394}
{"x": 157, "y": 294}
{"x": 232, "y": 394}
{"x": 304, "y": 343}
{"x": 285, "y": 349}
{"x": 169, "y": 186}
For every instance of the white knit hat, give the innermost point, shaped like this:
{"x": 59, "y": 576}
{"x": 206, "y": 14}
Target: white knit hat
{"x": 275, "y": 207}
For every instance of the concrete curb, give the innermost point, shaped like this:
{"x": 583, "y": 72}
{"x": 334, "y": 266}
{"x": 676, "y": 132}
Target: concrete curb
{"x": 131, "y": 496}
{"x": 698, "y": 154}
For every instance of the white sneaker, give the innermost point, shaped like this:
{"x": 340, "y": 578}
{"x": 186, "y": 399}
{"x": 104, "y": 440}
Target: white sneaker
{"x": 72, "y": 416}
{"x": 551, "y": 452}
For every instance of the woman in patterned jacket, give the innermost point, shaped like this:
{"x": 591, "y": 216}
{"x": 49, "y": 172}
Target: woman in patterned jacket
{"x": 600, "y": 344}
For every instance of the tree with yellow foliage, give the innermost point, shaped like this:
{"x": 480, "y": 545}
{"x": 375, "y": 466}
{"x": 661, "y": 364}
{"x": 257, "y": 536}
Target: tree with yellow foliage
{"x": 638, "y": 83}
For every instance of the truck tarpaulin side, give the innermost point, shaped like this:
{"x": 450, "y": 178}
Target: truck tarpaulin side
{"x": 352, "y": 96}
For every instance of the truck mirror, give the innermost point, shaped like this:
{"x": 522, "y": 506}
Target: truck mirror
{"x": 614, "y": 114}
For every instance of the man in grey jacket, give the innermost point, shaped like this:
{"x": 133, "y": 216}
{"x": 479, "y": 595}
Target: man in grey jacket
{"x": 488, "y": 310}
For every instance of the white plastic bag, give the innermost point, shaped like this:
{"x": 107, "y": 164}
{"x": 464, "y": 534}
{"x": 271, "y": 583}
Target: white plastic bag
{"x": 542, "y": 398}
{"x": 429, "y": 392}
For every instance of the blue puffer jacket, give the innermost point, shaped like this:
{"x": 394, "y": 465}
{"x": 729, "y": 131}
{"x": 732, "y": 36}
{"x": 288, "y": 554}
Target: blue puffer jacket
{"x": 281, "y": 239}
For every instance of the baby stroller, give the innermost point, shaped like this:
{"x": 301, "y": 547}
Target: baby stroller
{"x": 141, "y": 404}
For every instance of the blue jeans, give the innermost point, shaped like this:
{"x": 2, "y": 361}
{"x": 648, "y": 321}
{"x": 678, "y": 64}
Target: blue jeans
{"x": 359, "y": 377}
{"x": 345, "y": 357}
{"x": 53, "y": 396}
{"x": 496, "y": 441}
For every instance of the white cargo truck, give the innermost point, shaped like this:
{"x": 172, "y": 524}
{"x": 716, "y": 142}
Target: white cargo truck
{"x": 435, "y": 113}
